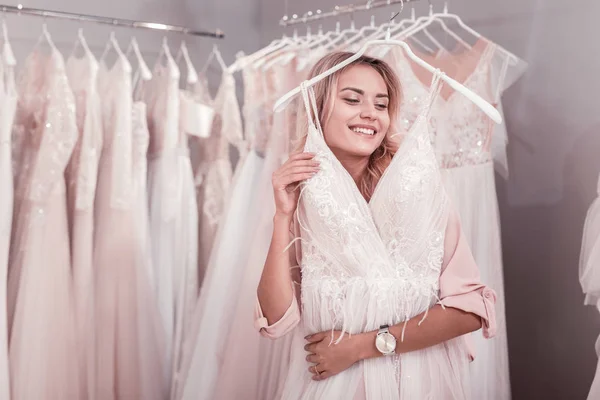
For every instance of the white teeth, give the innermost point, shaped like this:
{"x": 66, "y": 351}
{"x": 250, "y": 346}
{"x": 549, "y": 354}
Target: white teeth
{"x": 364, "y": 131}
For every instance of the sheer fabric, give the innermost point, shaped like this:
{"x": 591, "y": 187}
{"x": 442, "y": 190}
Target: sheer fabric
{"x": 462, "y": 138}
{"x": 81, "y": 175}
{"x": 213, "y": 168}
{"x": 173, "y": 213}
{"x": 357, "y": 256}
{"x": 43, "y": 364}
{"x": 8, "y": 104}
{"x": 206, "y": 347}
{"x": 129, "y": 339}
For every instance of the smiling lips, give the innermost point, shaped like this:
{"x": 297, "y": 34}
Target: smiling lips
{"x": 363, "y": 129}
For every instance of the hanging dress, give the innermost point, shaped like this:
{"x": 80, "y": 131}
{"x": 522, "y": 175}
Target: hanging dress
{"x": 213, "y": 170}
{"x": 43, "y": 341}
{"x": 366, "y": 264}
{"x": 259, "y": 365}
{"x": 173, "y": 212}
{"x": 205, "y": 347}
{"x": 461, "y": 135}
{"x": 129, "y": 338}
{"x": 81, "y": 175}
{"x": 8, "y": 104}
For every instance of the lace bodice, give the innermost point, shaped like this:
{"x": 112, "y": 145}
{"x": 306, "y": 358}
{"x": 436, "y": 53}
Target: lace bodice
{"x": 45, "y": 129}
{"x": 359, "y": 256}
{"x": 460, "y": 131}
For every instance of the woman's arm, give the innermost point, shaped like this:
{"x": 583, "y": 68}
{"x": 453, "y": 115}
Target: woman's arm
{"x": 275, "y": 289}
{"x": 468, "y": 306}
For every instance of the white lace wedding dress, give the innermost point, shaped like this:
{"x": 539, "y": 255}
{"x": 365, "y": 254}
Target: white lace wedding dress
{"x": 369, "y": 264}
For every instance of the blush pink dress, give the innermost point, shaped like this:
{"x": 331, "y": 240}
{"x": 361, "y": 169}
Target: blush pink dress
{"x": 82, "y": 174}
{"x": 129, "y": 338}
{"x": 43, "y": 335}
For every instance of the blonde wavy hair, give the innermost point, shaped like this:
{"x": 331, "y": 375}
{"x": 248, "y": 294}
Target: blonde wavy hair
{"x": 325, "y": 94}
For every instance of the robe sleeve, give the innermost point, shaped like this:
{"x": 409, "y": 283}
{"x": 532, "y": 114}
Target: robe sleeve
{"x": 460, "y": 283}
{"x": 291, "y": 318}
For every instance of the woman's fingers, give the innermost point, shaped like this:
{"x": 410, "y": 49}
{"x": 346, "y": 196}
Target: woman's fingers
{"x": 296, "y": 164}
{"x": 293, "y": 178}
{"x": 313, "y": 358}
{"x": 322, "y": 376}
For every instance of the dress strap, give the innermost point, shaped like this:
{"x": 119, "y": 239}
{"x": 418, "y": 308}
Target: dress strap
{"x": 434, "y": 91}
{"x": 310, "y": 104}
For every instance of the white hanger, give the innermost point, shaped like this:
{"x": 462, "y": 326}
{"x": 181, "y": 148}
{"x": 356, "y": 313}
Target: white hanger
{"x": 46, "y": 36}
{"x": 514, "y": 60}
{"x": 214, "y": 54}
{"x": 361, "y": 32}
{"x": 192, "y": 75}
{"x": 394, "y": 27}
{"x": 114, "y": 44}
{"x": 422, "y": 23}
{"x": 80, "y": 41}
{"x": 486, "y": 107}
{"x": 7, "y": 53}
{"x": 142, "y": 66}
{"x": 165, "y": 51}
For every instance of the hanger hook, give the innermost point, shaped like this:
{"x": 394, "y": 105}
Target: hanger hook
{"x": 430, "y": 8}
{"x": 446, "y": 7}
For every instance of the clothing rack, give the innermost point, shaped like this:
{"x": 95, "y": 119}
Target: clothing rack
{"x": 339, "y": 11}
{"x": 19, "y": 9}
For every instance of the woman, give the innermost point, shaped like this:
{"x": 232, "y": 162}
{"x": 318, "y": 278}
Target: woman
{"x": 387, "y": 284}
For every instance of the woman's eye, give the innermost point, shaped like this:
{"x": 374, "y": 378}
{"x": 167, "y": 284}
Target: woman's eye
{"x": 381, "y": 106}
{"x": 353, "y": 101}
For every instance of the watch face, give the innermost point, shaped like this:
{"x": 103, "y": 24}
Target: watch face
{"x": 386, "y": 343}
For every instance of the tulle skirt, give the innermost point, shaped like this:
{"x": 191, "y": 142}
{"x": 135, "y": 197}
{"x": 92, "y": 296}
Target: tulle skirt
{"x": 129, "y": 338}
{"x": 439, "y": 372}
{"x": 43, "y": 346}
{"x": 473, "y": 192}
{"x": 174, "y": 233}
{"x": 213, "y": 317}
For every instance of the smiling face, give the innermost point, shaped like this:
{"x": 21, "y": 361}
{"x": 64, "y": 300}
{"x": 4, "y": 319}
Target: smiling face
{"x": 359, "y": 118}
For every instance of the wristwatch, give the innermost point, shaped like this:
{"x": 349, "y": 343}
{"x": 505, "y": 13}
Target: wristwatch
{"x": 385, "y": 341}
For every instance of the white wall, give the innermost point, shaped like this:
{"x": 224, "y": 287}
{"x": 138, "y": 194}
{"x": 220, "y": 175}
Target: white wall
{"x": 554, "y": 155}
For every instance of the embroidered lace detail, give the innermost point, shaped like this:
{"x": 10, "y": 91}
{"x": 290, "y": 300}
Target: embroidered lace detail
{"x": 45, "y": 127}
{"x": 460, "y": 131}
{"x": 360, "y": 258}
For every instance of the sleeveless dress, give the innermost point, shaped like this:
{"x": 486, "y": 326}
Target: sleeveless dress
{"x": 42, "y": 331}
{"x": 81, "y": 175}
{"x": 462, "y": 138}
{"x": 368, "y": 264}
{"x": 8, "y": 104}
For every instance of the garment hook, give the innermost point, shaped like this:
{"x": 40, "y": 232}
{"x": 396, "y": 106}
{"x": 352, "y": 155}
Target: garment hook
{"x": 430, "y": 8}
{"x": 446, "y": 7}
{"x": 352, "y": 26}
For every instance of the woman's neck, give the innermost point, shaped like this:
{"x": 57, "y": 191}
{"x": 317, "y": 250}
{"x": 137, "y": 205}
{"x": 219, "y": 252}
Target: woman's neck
{"x": 356, "y": 166}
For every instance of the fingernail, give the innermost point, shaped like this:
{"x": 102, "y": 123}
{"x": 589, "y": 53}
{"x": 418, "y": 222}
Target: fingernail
{"x": 307, "y": 337}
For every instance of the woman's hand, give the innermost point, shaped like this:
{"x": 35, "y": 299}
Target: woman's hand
{"x": 297, "y": 168}
{"x": 327, "y": 358}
